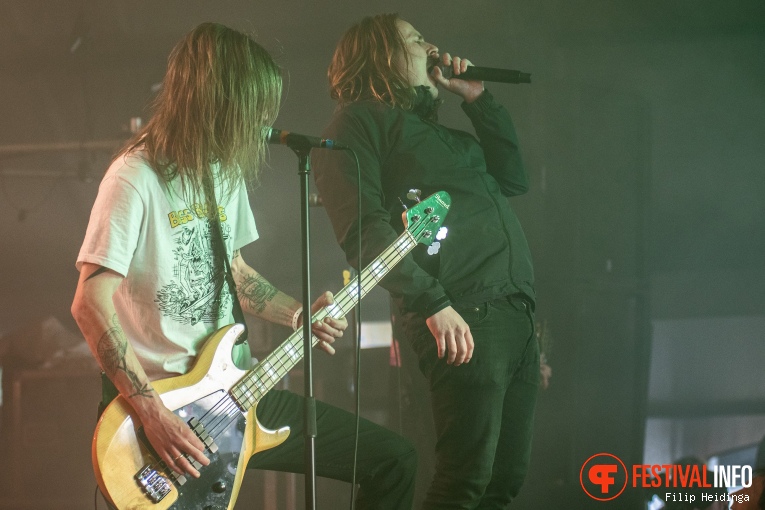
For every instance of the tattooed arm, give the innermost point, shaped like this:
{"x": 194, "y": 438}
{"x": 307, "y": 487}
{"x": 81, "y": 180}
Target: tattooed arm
{"x": 112, "y": 355}
{"x": 258, "y": 297}
{"x": 93, "y": 309}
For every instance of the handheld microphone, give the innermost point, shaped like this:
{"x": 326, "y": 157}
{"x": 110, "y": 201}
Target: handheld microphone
{"x": 301, "y": 142}
{"x": 487, "y": 74}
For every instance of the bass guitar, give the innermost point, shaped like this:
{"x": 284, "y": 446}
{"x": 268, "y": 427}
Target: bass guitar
{"x": 218, "y": 401}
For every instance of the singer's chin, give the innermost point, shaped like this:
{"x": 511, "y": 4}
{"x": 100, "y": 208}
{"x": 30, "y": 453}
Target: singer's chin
{"x": 432, "y": 87}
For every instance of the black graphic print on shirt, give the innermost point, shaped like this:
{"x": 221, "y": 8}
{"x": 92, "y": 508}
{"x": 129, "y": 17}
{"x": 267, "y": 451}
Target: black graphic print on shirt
{"x": 195, "y": 294}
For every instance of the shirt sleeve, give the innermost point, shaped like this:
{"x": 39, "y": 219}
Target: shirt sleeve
{"x": 336, "y": 179}
{"x": 245, "y": 231}
{"x": 496, "y": 133}
{"x": 114, "y": 227}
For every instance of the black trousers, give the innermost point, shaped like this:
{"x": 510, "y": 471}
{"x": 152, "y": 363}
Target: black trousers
{"x": 483, "y": 411}
{"x": 386, "y": 462}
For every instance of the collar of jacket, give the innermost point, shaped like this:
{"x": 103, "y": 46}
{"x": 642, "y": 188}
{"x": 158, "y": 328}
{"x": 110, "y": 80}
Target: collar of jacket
{"x": 425, "y": 105}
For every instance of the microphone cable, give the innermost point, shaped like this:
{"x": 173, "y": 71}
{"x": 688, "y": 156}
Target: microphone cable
{"x": 357, "y": 322}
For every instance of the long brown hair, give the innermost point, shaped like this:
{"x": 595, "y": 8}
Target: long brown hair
{"x": 365, "y": 66}
{"x": 220, "y": 90}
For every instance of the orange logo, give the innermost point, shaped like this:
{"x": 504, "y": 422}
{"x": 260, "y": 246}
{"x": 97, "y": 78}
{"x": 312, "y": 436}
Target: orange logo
{"x": 603, "y": 476}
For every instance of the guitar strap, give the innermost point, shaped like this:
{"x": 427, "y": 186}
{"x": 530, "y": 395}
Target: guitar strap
{"x": 220, "y": 252}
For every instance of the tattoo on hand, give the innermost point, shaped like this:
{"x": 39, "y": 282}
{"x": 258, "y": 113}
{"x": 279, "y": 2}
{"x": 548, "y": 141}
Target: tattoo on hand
{"x": 112, "y": 347}
{"x": 257, "y": 291}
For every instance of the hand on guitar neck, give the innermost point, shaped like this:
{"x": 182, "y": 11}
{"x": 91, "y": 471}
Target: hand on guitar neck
{"x": 215, "y": 402}
{"x": 329, "y": 329}
{"x": 171, "y": 437}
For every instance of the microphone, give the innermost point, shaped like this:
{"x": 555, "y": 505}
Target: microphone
{"x": 301, "y": 142}
{"x": 487, "y": 74}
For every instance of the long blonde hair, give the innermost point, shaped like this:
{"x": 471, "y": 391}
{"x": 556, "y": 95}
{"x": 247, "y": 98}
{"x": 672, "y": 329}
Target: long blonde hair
{"x": 365, "y": 64}
{"x": 220, "y": 91}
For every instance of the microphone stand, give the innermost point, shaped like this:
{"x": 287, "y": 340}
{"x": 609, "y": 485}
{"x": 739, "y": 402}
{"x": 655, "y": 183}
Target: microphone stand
{"x": 302, "y": 150}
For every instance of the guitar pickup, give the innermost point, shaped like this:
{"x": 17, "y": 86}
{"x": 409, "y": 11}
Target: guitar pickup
{"x": 204, "y": 436}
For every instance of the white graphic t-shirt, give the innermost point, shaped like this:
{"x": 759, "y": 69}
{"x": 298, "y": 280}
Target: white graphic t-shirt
{"x": 144, "y": 230}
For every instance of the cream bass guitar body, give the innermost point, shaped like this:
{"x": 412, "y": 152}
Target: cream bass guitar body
{"x": 218, "y": 401}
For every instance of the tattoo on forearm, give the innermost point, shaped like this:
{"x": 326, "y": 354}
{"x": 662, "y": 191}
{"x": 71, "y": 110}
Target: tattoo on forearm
{"x": 257, "y": 291}
{"x": 112, "y": 347}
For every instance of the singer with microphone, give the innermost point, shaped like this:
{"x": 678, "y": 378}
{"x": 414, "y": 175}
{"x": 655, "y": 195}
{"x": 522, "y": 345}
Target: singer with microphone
{"x": 467, "y": 310}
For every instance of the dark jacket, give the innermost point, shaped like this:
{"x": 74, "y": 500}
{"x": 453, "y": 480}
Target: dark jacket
{"x": 485, "y": 254}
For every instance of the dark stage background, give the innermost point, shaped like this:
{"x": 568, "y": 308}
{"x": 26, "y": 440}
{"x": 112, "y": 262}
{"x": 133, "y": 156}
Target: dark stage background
{"x": 643, "y": 135}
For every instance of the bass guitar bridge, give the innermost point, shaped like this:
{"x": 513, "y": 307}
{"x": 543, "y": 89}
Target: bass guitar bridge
{"x": 154, "y": 482}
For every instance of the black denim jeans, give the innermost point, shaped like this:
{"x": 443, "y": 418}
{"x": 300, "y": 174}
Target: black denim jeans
{"x": 483, "y": 410}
